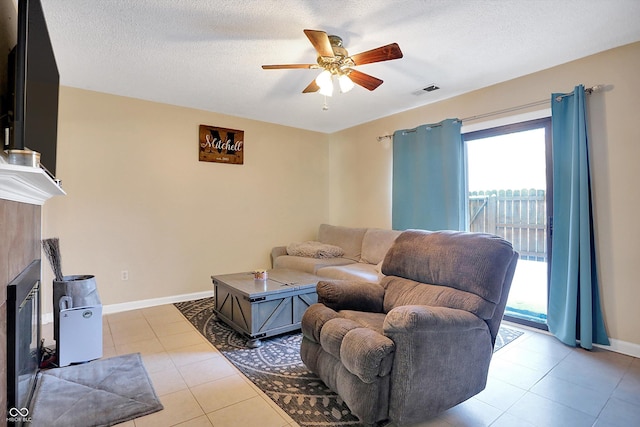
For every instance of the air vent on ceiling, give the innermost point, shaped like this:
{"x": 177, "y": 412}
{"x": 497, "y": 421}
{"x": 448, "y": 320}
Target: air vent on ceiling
{"x": 428, "y": 88}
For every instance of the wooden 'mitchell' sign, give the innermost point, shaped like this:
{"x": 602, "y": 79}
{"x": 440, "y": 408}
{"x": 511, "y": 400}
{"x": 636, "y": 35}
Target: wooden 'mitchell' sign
{"x": 221, "y": 145}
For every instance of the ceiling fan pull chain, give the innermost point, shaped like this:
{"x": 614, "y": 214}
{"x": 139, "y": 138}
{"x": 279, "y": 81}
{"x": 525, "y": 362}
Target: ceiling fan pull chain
{"x": 325, "y": 107}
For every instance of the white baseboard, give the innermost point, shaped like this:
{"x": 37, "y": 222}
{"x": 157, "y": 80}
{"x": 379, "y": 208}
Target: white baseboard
{"x": 135, "y": 305}
{"x": 619, "y": 346}
{"x": 624, "y": 347}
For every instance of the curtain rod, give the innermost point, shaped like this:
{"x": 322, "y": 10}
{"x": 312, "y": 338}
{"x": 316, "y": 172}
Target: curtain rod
{"x": 588, "y": 90}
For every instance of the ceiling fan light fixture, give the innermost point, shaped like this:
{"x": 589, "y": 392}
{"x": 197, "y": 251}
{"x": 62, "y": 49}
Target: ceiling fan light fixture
{"x": 324, "y": 81}
{"x": 326, "y": 90}
{"x": 345, "y": 83}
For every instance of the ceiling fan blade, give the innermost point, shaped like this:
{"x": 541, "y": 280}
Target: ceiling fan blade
{"x": 383, "y": 53}
{"x": 364, "y": 80}
{"x": 313, "y": 87}
{"x": 289, "y": 66}
{"x": 320, "y": 42}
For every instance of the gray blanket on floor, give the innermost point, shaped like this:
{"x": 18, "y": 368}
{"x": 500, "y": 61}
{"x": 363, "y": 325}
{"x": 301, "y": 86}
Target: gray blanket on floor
{"x": 99, "y": 393}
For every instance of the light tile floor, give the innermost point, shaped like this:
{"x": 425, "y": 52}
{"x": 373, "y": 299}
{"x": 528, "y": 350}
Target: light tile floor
{"x": 534, "y": 381}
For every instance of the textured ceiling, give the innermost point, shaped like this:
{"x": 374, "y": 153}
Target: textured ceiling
{"x": 207, "y": 54}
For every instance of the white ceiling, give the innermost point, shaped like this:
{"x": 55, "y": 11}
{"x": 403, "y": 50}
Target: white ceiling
{"x": 207, "y": 54}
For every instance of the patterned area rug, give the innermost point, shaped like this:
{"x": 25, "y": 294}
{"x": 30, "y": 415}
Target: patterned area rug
{"x": 276, "y": 368}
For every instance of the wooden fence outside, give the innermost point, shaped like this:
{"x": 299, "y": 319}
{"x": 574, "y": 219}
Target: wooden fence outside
{"x": 520, "y": 216}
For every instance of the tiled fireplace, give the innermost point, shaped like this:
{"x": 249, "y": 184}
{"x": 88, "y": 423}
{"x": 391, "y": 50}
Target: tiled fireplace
{"x": 23, "y": 191}
{"x": 19, "y": 246}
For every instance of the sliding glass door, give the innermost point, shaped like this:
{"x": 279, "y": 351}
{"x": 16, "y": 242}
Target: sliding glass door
{"x": 510, "y": 195}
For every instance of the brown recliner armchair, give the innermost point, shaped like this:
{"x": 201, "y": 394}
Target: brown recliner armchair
{"x": 419, "y": 342}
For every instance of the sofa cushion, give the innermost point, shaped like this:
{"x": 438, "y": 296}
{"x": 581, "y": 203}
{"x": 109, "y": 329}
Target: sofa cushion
{"x": 374, "y": 321}
{"x": 375, "y": 244}
{"x": 308, "y": 265}
{"x": 348, "y": 238}
{"x": 355, "y": 271}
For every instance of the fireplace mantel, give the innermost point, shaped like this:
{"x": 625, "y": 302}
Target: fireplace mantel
{"x": 27, "y": 184}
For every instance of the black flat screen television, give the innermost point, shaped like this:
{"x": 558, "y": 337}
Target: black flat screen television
{"x": 37, "y": 82}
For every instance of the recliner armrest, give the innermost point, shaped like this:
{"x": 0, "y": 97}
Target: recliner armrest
{"x": 441, "y": 358}
{"x": 348, "y": 295}
{"x": 362, "y": 351}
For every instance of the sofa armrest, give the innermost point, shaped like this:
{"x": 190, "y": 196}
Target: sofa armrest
{"x": 349, "y": 295}
{"x": 276, "y": 252}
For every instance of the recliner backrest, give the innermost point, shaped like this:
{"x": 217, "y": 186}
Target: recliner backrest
{"x": 400, "y": 291}
{"x": 474, "y": 265}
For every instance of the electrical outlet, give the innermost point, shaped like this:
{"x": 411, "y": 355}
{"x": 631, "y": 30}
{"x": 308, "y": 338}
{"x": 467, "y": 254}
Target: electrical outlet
{"x": 124, "y": 275}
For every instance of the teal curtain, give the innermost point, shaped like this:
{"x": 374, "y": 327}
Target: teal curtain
{"x": 574, "y": 303}
{"x": 428, "y": 190}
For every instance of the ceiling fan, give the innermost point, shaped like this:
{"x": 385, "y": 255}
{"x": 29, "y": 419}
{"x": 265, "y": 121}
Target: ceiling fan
{"x": 334, "y": 59}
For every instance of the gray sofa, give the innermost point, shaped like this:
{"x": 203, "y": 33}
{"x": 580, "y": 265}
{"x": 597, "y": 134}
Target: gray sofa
{"x": 419, "y": 342}
{"x": 364, "y": 249}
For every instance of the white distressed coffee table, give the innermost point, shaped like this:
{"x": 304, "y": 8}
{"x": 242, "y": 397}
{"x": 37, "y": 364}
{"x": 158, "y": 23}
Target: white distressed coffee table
{"x": 264, "y": 308}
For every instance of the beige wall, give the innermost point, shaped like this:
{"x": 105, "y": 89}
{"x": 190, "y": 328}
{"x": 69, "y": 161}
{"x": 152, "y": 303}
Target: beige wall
{"x": 139, "y": 200}
{"x": 361, "y": 167}
{"x": 8, "y": 34}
